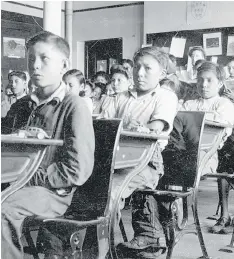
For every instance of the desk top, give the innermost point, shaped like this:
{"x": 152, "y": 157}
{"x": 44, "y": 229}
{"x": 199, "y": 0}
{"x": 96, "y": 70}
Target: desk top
{"x": 33, "y": 141}
{"x": 134, "y": 134}
{"x": 218, "y": 124}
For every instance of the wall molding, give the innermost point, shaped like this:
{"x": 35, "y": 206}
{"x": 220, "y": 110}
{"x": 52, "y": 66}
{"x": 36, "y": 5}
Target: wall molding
{"x": 107, "y": 7}
{"x": 80, "y": 10}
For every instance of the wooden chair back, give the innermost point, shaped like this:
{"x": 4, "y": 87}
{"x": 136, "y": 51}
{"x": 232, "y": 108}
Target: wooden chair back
{"x": 91, "y": 200}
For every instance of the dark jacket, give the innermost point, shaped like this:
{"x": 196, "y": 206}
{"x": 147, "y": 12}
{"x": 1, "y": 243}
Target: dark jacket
{"x": 70, "y": 120}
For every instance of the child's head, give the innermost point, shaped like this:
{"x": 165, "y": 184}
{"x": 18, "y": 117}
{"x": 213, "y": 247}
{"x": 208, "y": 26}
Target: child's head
{"x": 150, "y": 64}
{"x": 98, "y": 91}
{"x": 17, "y": 82}
{"x": 31, "y": 87}
{"x": 48, "y": 56}
{"x": 128, "y": 66}
{"x": 101, "y": 77}
{"x": 170, "y": 85}
{"x": 198, "y": 63}
{"x": 231, "y": 67}
{"x": 74, "y": 78}
{"x": 196, "y": 53}
{"x": 120, "y": 80}
{"x": 210, "y": 78}
{"x": 88, "y": 89}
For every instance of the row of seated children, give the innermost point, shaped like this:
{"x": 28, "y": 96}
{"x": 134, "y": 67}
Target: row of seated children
{"x": 148, "y": 104}
{"x": 154, "y": 106}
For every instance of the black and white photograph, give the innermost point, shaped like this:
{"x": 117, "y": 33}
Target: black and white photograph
{"x": 117, "y": 129}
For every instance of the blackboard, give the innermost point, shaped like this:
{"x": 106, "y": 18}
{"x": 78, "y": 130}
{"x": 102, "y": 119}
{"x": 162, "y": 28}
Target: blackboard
{"x": 193, "y": 38}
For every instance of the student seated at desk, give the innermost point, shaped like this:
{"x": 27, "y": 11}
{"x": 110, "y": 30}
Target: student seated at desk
{"x": 210, "y": 80}
{"x": 152, "y": 107}
{"x": 120, "y": 82}
{"x": 62, "y": 116}
{"x": 75, "y": 80}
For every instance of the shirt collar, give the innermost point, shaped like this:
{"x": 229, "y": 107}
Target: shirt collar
{"x": 21, "y": 96}
{"x": 58, "y": 95}
{"x": 133, "y": 92}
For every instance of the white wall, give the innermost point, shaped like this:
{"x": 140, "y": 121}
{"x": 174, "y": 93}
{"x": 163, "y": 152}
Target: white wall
{"x": 171, "y": 16}
{"x": 125, "y": 22}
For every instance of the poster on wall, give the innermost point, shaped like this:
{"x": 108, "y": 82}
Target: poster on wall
{"x": 13, "y": 47}
{"x": 198, "y": 12}
{"x": 102, "y": 65}
{"x": 177, "y": 47}
{"x": 230, "y": 45}
{"x": 212, "y": 43}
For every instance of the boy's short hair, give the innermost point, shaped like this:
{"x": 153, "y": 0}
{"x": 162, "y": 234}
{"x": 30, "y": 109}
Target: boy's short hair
{"x": 114, "y": 67}
{"x": 155, "y": 52}
{"x": 199, "y": 62}
{"x": 76, "y": 73}
{"x": 120, "y": 70}
{"x": 48, "y": 37}
{"x": 125, "y": 60}
{"x": 197, "y": 48}
{"x": 215, "y": 68}
{"x": 103, "y": 74}
{"x": 19, "y": 74}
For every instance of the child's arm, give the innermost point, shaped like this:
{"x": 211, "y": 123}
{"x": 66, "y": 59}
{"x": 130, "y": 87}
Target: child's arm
{"x": 75, "y": 160}
{"x": 157, "y": 126}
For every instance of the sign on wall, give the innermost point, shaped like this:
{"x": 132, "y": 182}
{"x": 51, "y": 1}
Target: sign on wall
{"x": 13, "y": 47}
{"x": 198, "y": 12}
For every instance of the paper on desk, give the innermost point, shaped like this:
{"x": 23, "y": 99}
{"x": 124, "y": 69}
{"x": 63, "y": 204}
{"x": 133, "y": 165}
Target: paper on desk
{"x": 177, "y": 47}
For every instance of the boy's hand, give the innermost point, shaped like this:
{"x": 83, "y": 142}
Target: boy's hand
{"x": 133, "y": 124}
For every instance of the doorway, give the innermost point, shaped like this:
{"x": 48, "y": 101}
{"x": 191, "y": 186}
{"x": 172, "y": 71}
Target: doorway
{"x": 101, "y": 55}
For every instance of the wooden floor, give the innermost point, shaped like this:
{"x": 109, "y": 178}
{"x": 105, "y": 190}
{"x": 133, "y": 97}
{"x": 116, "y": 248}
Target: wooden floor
{"x": 188, "y": 247}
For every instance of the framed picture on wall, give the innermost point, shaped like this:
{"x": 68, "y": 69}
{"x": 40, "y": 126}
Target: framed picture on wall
{"x": 13, "y": 47}
{"x": 212, "y": 43}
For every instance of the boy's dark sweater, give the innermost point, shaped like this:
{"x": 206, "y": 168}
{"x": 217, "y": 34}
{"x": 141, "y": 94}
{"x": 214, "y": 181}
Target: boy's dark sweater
{"x": 69, "y": 120}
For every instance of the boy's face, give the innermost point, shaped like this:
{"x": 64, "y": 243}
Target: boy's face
{"x": 196, "y": 55}
{"x": 109, "y": 89}
{"x": 119, "y": 83}
{"x": 100, "y": 79}
{"x": 17, "y": 84}
{"x": 208, "y": 84}
{"x": 97, "y": 93}
{"x": 146, "y": 73}
{"x": 46, "y": 64}
{"x": 231, "y": 68}
{"x": 74, "y": 84}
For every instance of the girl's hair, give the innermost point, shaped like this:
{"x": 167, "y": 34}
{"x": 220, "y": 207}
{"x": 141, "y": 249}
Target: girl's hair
{"x": 19, "y": 74}
{"x": 215, "y": 68}
{"x": 76, "y": 73}
{"x": 197, "y": 48}
{"x": 48, "y": 37}
{"x": 155, "y": 52}
{"x": 103, "y": 74}
{"x": 129, "y": 61}
{"x": 120, "y": 70}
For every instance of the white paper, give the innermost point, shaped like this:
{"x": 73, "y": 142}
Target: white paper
{"x": 177, "y": 47}
{"x": 230, "y": 45}
{"x": 146, "y": 45}
{"x": 198, "y": 12}
{"x": 212, "y": 43}
{"x": 214, "y": 59}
